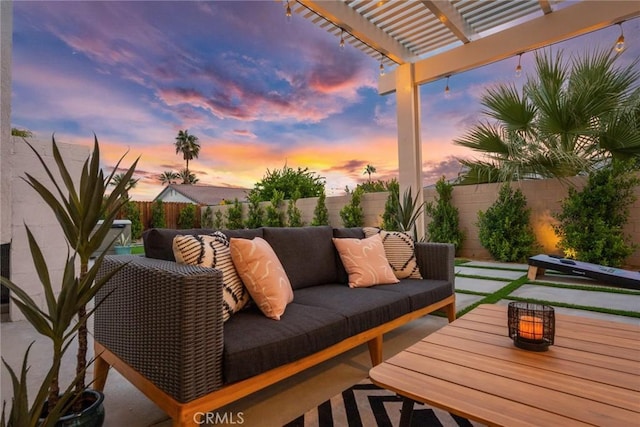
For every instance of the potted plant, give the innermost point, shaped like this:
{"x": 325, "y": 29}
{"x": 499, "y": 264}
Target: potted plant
{"x": 123, "y": 244}
{"x": 78, "y": 211}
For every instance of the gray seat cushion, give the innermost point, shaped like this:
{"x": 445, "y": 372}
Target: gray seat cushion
{"x": 364, "y": 308}
{"x": 255, "y": 344}
{"x": 420, "y": 292}
{"x": 306, "y": 253}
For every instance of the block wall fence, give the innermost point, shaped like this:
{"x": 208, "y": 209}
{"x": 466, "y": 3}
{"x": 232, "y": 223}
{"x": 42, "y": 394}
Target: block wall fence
{"x": 543, "y": 197}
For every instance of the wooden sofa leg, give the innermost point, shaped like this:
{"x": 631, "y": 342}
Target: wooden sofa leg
{"x": 100, "y": 372}
{"x": 375, "y": 350}
{"x": 451, "y": 312}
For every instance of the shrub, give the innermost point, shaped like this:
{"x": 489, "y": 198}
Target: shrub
{"x": 275, "y": 217}
{"x": 293, "y": 212}
{"x": 445, "y": 225}
{"x": 352, "y": 214}
{"x": 321, "y": 213}
{"x": 158, "y": 219}
{"x": 392, "y": 207}
{"x": 187, "y": 217}
{"x": 287, "y": 181}
{"x": 218, "y": 220}
{"x": 377, "y": 186}
{"x": 234, "y": 216}
{"x": 504, "y": 228}
{"x": 255, "y": 215}
{"x": 132, "y": 213}
{"x": 591, "y": 221}
{"x": 207, "y": 218}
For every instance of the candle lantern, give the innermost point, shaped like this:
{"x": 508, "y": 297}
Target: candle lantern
{"x": 531, "y": 326}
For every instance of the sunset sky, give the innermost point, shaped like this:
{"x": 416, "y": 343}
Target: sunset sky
{"x": 259, "y": 91}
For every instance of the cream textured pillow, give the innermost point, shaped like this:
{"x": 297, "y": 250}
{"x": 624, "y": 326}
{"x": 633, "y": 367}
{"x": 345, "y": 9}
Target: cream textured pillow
{"x": 263, "y": 275}
{"x": 400, "y": 251}
{"x": 365, "y": 261}
{"x": 213, "y": 251}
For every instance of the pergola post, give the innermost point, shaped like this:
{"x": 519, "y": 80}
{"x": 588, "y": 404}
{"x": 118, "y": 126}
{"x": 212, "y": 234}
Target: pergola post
{"x": 409, "y": 144}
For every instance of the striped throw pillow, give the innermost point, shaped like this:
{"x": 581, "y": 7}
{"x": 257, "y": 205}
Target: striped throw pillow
{"x": 400, "y": 251}
{"x": 213, "y": 251}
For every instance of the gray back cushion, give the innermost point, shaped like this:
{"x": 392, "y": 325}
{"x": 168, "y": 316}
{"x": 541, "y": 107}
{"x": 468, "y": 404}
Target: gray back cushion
{"x": 306, "y": 253}
{"x": 345, "y": 233}
{"x": 158, "y": 242}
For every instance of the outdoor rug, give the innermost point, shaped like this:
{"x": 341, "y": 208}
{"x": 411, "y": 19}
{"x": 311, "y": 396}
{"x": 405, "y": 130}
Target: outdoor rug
{"x": 367, "y": 405}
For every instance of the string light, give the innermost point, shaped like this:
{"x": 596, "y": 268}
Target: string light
{"x": 288, "y": 12}
{"x": 519, "y": 67}
{"x": 343, "y": 31}
{"x": 620, "y": 42}
{"x": 447, "y": 91}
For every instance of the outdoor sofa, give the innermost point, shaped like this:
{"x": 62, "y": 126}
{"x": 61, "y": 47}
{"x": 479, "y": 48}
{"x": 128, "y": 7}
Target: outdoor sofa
{"x": 161, "y": 327}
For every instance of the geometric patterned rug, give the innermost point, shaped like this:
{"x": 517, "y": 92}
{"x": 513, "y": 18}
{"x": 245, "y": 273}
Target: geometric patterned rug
{"x": 367, "y": 405}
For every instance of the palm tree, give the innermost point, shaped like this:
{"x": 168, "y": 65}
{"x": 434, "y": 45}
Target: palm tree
{"x": 168, "y": 177}
{"x": 187, "y": 177}
{"x": 369, "y": 169}
{"x": 568, "y": 119}
{"x": 189, "y": 147}
{"x": 117, "y": 178}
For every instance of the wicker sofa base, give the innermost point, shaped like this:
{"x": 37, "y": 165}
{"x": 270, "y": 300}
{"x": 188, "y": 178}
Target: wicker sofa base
{"x": 185, "y": 414}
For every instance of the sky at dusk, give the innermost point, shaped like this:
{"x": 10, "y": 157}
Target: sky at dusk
{"x": 259, "y": 91}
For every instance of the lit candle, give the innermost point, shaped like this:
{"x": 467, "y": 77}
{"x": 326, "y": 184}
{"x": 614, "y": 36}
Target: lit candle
{"x": 530, "y": 327}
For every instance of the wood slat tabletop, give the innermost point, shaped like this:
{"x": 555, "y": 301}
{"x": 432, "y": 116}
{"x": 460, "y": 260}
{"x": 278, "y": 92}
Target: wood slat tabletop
{"x": 589, "y": 376}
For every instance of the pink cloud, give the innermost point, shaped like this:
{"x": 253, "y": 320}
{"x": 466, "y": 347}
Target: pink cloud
{"x": 244, "y": 133}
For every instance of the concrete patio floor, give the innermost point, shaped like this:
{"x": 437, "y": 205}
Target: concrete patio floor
{"x": 282, "y": 402}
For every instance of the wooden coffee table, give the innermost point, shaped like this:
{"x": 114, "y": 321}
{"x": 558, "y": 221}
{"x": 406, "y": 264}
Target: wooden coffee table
{"x": 470, "y": 367}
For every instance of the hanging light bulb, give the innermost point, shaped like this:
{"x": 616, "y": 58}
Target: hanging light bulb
{"x": 341, "y": 39}
{"x": 381, "y": 66}
{"x": 620, "y": 42}
{"x": 519, "y": 67}
{"x": 447, "y": 91}
{"x": 288, "y": 12}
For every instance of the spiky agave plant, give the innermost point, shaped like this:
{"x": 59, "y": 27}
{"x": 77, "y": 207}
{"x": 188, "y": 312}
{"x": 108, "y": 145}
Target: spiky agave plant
{"x": 79, "y": 211}
{"x": 408, "y": 213}
{"x": 55, "y": 322}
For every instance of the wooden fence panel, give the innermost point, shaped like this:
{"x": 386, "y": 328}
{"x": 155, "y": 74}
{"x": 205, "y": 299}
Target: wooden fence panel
{"x": 171, "y": 213}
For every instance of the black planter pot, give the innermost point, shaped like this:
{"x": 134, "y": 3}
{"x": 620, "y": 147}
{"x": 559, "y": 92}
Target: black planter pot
{"x": 91, "y": 416}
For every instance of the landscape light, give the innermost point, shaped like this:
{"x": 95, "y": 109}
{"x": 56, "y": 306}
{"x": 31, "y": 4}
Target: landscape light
{"x": 620, "y": 42}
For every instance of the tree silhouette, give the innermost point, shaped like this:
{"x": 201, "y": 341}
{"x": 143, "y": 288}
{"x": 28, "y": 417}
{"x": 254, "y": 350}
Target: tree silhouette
{"x": 368, "y": 170}
{"x": 189, "y": 147}
{"x": 168, "y": 177}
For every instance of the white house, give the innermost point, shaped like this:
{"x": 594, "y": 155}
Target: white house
{"x": 201, "y": 194}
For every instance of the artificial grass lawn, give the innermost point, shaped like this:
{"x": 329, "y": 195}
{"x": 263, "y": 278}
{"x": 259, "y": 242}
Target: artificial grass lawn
{"x": 511, "y": 286}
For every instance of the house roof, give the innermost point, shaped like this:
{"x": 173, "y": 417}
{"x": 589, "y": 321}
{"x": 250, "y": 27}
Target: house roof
{"x": 205, "y": 194}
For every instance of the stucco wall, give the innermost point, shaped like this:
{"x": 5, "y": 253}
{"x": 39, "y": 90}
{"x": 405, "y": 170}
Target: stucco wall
{"x": 6, "y": 8}
{"x": 27, "y": 208}
{"x": 543, "y": 197}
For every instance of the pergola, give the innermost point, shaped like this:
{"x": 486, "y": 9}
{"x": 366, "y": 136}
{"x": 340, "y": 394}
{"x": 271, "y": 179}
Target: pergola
{"x": 433, "y": 39}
